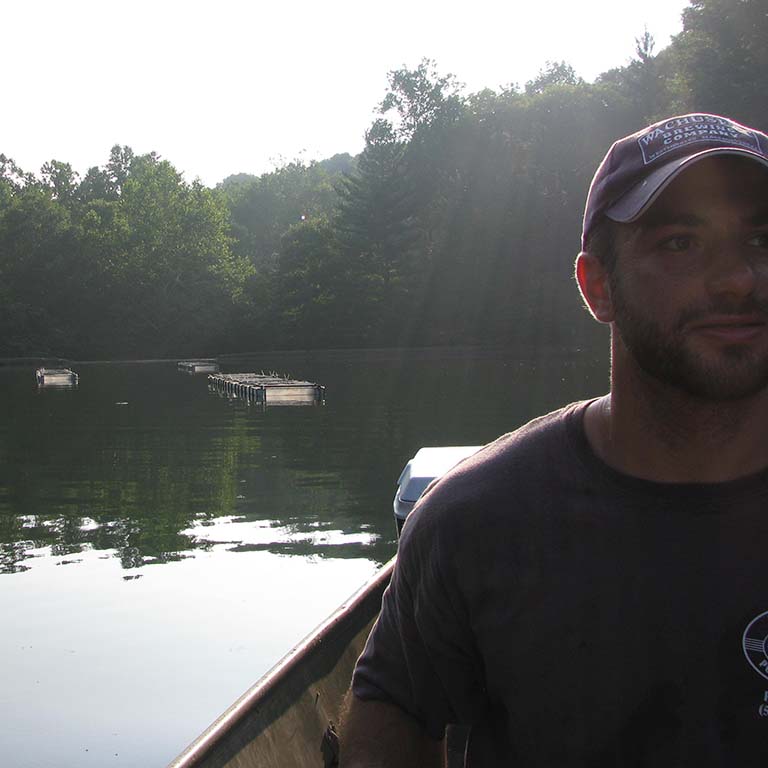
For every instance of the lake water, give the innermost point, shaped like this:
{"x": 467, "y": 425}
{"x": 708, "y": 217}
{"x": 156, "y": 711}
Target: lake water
{"x": 162, "y": 546}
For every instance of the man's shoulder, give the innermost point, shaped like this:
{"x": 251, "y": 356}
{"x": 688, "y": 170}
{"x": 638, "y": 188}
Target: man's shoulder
{"x": 508, "y": 465}
{"x": 509, "y": 455}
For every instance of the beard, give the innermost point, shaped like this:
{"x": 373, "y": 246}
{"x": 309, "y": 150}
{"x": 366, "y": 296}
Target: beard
{"x": 731, "y": 373}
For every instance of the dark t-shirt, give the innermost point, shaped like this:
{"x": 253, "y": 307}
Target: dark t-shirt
{"x": 576, "y": 616}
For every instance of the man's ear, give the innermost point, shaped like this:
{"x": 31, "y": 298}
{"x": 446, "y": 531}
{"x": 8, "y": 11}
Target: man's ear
{"x": 595, "y": 288}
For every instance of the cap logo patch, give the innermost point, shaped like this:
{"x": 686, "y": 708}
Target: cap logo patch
{"x": 681, "y": 131}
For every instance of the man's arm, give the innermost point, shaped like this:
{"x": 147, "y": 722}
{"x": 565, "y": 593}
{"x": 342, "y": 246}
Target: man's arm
{"x": 375, "y": 734}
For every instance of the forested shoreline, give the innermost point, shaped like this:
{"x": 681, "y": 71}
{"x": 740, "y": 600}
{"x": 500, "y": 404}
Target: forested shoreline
{"x": 457, "y": 224}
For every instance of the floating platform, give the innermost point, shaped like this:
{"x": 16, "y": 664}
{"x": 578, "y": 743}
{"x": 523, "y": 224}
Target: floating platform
{"x": 267, "y": 389}
{"x": 56, "y": 377}
{"x": 198, "y": 366}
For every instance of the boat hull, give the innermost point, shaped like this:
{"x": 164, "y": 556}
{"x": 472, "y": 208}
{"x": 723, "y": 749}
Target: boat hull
{"x": 282, "y": 720}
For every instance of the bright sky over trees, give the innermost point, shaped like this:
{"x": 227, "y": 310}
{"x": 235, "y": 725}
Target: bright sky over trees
{"x": 243, "y": 86}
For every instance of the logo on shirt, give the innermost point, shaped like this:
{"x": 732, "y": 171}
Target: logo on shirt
{"x": 755, "y": 644}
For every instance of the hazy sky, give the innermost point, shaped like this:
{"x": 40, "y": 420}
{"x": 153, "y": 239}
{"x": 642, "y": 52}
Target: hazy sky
{"x": 234, "y": 86}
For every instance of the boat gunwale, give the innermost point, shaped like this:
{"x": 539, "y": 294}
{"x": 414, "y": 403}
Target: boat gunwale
{"x": 273, "y": 679}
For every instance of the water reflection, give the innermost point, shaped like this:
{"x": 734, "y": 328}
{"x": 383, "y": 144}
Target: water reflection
{"x": 133, "y": 472}
{"x": 136, "y": 457}
{"x": 263, "y": 520}
{"x": 125, "y": 668}
{"x": 312, "y": 540}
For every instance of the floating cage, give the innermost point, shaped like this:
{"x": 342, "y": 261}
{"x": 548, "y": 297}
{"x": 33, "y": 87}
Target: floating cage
{"x": 56, "y": 377}
{"x": 267, "y": 389}
{"x": 198, "y": 366}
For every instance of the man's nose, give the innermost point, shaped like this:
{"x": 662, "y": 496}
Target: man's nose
{"x": 734, "y": 272}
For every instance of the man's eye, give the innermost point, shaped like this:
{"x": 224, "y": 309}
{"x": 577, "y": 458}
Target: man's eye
{"x": 676, "y": 243}
{"x": 759, "y": 241}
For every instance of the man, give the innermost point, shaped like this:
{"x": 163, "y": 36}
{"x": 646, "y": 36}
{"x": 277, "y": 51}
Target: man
{"x": 592, "y": 589}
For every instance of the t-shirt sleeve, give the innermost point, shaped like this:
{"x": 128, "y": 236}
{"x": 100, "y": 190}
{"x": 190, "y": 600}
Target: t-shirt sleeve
{"x": 420, "y": 654}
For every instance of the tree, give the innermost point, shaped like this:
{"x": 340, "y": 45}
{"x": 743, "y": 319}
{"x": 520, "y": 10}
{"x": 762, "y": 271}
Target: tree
{"x": 96, "y": 185}
{"x": 36, "y": 278}
{"x": 377, "y": 232}
{"x": 177, "y": 277}
{"x": 421, "y": 98}
{"x": 310, "y": 281}
{"x": 263, "y": 208}
{"x": 723, "y": 57}
{"x": 553, "y": 74}
{"x": 118, "y": 168}
{"x": 60, "y": 179}
{"x": 13, "y": 177}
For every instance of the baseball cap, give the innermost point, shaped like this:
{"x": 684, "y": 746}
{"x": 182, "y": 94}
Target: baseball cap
{"x": 638, "y": 167}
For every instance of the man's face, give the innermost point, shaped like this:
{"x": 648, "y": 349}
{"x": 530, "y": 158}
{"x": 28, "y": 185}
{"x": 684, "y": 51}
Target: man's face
{"x": 690, "y": 287}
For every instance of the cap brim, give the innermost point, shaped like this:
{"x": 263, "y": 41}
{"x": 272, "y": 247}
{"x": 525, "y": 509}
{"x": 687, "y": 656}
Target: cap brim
{"x": 634, "y": 203}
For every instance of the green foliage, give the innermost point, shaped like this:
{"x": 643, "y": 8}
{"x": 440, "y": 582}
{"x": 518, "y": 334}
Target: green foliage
{"x": 378, "y": 231}
{"x": 130, "y": 261}
{"x": 60, "y": 179}
{"x": 457, "y": 223}
{"x": 34, "y": 273}
{"x": 723, "y": 57}
{"x": 177, "y": 274}
{"x": 553, "y": 74}
{"x": 310, "y": 283}
{"x": 422, "y": 99}
{"x": 263, "y": 208}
